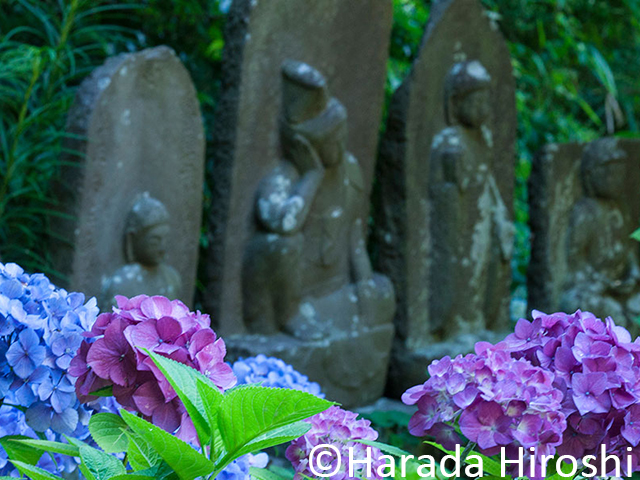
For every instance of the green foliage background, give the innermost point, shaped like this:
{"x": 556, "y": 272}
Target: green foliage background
{"x": 576, "y": 63}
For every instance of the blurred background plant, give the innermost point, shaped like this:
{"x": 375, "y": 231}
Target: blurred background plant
{"x": 46, "y": 48}
{"x": 575, "y": 62}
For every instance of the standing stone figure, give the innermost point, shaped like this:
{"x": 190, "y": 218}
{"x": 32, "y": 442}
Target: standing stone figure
{"x": 306, "y": 270}
{"x": 603, "y": 270}
{"x": 471, "y": 233}
{"x": 145, "y": 243}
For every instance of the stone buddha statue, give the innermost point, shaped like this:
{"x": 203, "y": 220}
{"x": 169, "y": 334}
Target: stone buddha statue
{"x": 604, "y": 276}
{"x": 306, "y": 270}
{"x": 471, "y": 234}
{"x": 145, "y": 242}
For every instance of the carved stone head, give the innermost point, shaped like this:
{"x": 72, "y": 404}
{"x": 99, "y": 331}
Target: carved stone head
{"x": 310, "y": 111}
{"x": 603, "y": 169}
{"x": 467, "y": 92}
{"x": 146, "y": 231}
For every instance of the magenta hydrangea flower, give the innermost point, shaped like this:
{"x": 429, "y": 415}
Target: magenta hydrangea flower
{"x": 562, "y": 383}
{"x": 112, "y": 355}
{"x": 339, "y": 428}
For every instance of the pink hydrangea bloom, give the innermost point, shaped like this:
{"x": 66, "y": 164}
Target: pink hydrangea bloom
{"x": 336, "y": 427}
{"x": 113, "y": 355}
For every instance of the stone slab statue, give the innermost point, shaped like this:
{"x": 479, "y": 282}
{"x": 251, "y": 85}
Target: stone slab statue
{"x": 443, "y": 209}
{"x": 132, "y": 197}
{"x": 584, "y": 205}
{"x": 285, "y": 200}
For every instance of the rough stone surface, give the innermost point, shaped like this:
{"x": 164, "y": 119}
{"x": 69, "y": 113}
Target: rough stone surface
{"x": 286, "y": 221}
{"x": 421, "y": 203}
{"x": 584, "y": 204}
{"x": 136, "y": 123}
{"x": 348, "y": 43}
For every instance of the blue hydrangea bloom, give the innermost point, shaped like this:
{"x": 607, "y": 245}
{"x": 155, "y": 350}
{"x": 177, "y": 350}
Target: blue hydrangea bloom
{"x": 41, "y": 328}
{"x": 273, "y": 372}
{"x": 239, "y": 469}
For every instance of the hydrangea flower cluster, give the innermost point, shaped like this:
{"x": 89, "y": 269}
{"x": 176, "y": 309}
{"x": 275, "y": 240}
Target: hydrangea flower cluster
{"x": 41, "y": 327}
{"x": 597, "y": 366}
{"x": 239, "y": 468}
{"x": 562, "y": 383}
{"x": 112, "y": 356}
{"x": 498, "y": 400}
{"x": 273, "y": 372}
{"x": 336, "y": 427}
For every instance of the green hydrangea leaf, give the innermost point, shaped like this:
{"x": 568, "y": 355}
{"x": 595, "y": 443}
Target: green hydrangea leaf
{"x": 48, "y": 446}
{"x": 140, "y": 454}
{"x": 182, "y": 458}
{"x": 264, "y": 474}
{"x": 109, "y": 431}
{"x": 33, "y": 472}
{"x": 211, "y": 400}
{"x": 184, "y": 379}
{"x": 251, "y": 413}
{"x": 17, "y": 450}
{"x": 101, "y": 465}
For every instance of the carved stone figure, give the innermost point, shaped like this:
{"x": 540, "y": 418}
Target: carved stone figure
{"x": 306, "y": 270}
{"x": 603, "y": 270}
{"x": 145, "y": 243}
{"x": 444, "y": 192}
{"x": 310, "y": 245}
{"x": 471, "y": 233}
{"x": 584, "y": 205}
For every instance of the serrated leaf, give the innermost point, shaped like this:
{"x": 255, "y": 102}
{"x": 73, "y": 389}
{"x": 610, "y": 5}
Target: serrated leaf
{"x": 211, "y": 400}
{"x": 182, "y": 458}
{"x": 140, "y": 454}
{"x": 33, "y": 472}
{"x": 248, "y": 413}
{"x": 272, "y": 438}
{"x": 54, "y": 447}
{"x": 17, "y": 450}
{"x": 133, "y": 476}
{"x": 75, "y": 441}
{"x": 101, "y": 465}
{"x": 184, "y": 380}
{"x": 264, "y": 474}
{"x": 109, "y": 432}
{"x": 161, "y": 471}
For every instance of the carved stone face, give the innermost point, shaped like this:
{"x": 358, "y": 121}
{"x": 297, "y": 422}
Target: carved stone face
{"x": 149, "y": 246}
{"x": 607, "y": 178}
{"x": 474, "y": 108}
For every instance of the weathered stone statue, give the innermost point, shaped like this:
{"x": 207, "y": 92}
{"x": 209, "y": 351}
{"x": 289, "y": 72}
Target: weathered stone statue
{"x": 444, "y": 192}
{"x": 471, "y": 233}
{"x": 603, "y": 271}
{"x": 309, "y": 253}
{"x": 135, "y": 126}
{"x": 307, "y": 278}
{"x": 145, "y": 243}
{"x": 584, "y": 205}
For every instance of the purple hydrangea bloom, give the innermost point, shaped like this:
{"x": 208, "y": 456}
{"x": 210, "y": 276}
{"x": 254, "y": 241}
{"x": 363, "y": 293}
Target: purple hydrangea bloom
{"x": 273, "y": 372}
{"x": 112, "y": 355}
{"x": 562, "y": 383}
{"x": 339, "y": 428}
